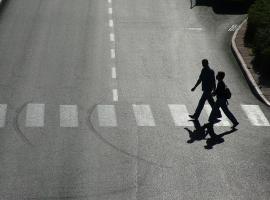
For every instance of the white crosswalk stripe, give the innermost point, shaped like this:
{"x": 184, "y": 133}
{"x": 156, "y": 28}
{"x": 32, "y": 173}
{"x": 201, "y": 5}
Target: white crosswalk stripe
{"x": 224, "y": 120}
{"x": 68, "y": 116}
{"x": 143, "y": 115}
{"x": 106, "y": 116}
{"x": 35, "y": 115}
{"x": 180, "y": 115}
{"x": 255, "y": 115}
{"x": 3, "y": 112}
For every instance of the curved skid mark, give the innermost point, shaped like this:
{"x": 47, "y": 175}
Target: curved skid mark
{"x": 17, "y": 126}
{"x": 91, "y": 126}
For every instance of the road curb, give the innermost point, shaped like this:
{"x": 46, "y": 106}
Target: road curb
{"x": 244, "y": 67}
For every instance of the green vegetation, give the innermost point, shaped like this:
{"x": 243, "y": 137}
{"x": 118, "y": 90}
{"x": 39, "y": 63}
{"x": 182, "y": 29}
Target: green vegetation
{"x": 258, "y": 34}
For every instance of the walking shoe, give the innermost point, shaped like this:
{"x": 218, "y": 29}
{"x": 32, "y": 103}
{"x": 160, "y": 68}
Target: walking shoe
{"x": 193, "y": 117}
{"x": 234, "y": 125}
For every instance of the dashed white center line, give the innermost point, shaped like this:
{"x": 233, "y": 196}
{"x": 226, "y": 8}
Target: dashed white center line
{"x": 110, "y": 11}
{"x": 115, "y": 94}
{"x": 3, "y": 111}
{"x": 112, "y": 53}
{"x": 194, "y": 29}
{"x": 112, "y": 37}
{"x": 114, "y": 73}
{"x": 111, "y": 24}
{"x": 109, "y": 1}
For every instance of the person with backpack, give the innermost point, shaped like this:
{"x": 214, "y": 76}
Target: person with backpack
{"x": 222, "y": 93}
{"x": 208, "y": 81}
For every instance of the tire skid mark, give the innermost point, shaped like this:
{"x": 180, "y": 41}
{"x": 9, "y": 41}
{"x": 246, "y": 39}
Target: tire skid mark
{"x": 92, "y": 127}
{"x": 16, "y": 124}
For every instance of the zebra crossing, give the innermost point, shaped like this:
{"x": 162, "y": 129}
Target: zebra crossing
{"x": 142, "y": 115}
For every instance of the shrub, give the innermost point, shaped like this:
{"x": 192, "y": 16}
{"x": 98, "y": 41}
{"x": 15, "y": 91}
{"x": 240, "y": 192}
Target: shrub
{"x": 258, "y": 34}
{"x": 258, "y": 17}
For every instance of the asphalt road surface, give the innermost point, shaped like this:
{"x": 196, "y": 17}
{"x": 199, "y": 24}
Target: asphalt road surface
{"x": 94, "y": 98}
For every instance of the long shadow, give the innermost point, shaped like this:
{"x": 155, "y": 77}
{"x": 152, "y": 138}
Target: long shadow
{"x": 200, "y": 132}
{"x": 224, "y": 7}
{"x": 216, "y": 139}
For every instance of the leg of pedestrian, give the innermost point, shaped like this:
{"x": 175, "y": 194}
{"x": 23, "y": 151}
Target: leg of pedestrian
{"x": 229, "y": 114}
{"x": 200, "y": 106}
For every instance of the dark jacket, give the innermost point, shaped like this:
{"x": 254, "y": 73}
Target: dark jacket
{"x": 220, "y": 91}
{"x": 207, "y": 77}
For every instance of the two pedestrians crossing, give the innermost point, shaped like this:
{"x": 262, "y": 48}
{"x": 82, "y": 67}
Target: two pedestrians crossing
{"x": 142, "y": 115}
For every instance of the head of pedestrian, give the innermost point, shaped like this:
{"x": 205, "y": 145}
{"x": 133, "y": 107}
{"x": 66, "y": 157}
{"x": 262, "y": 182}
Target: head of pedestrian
{"x": 205, "y": 63}
{"x": 220, "y": 76}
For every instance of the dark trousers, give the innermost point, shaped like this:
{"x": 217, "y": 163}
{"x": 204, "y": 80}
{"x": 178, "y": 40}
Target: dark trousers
{"x": 223, "y": 104}
{"x": 207, "y": 95}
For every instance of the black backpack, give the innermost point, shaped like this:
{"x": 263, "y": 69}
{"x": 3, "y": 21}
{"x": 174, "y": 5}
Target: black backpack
{"x": 227, "y": 93}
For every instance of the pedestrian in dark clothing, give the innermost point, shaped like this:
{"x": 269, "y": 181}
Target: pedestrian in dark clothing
{"x": 221, "y": 102}
{"x": 208, "y": 81}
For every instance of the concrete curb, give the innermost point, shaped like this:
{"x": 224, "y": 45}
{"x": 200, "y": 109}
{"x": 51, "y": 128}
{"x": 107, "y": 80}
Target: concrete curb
{"x": 243, "y": 65}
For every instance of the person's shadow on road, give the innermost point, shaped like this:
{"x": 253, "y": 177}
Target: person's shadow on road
{"x": 216, "y": 139}
{"x": 200, "y": 132}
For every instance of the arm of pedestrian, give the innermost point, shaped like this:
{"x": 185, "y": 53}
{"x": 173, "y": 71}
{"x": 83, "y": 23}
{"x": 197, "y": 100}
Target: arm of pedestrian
{"x": 196, "y": 85}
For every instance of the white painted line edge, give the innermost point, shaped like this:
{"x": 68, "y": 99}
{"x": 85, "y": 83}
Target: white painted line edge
{"x": 35, "y": 115}
{"x": 112, "y": 53}
{"x": 112, "y": 37}
{"x": 224, "y": 120}
{"x": 110, "y": 11}
{"x": 194, "y": 29}
{"x": 114, "y": 73}
{"x": 111, "y": 24}
{"x": 69, "y": 116}
{"x": 115, "y": 94}
{"x": 107, "y": 116}
{"x": 3, "y": 113}
{"x": 143, "y": 115}
{"x": 255, "y": 115}
{"x": 180, "y": 114}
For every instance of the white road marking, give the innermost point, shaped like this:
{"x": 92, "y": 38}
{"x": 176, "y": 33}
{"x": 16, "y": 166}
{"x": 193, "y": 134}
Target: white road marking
{"x": 3, "y": 112}
{"x": 112, "y": 53}
{"x": 106, "y": 116}
{"x": 112, "y": 37}
{"x": 194, "y": 29}
{"x": 111, "y": 24}
{"x": 233, "y": 27}
{"x": 143, "y": 115}
{"x": 35, "y": 115}
{"x": 115, "y": 94}
{"x": 180, "y": 115}
{"x": 69, "y": 116}
{"x": 255, "y": 115}
{"x": 110, "y": 11}
{"x": 224, "y": 120}
{"x": 109, "y": 1}
{"x": 114, "y": 73}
